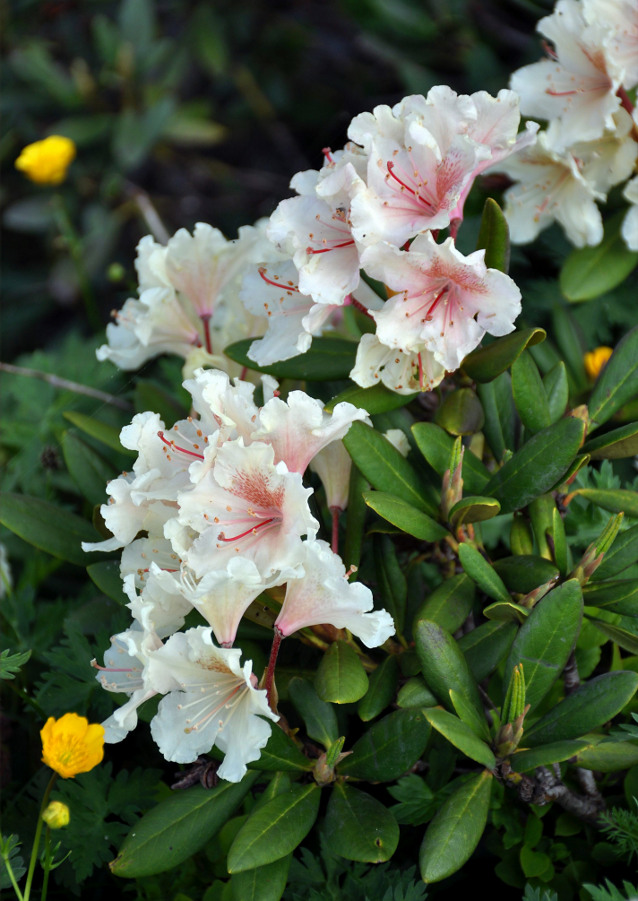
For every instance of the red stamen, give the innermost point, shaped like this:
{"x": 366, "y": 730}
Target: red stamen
{"x": 390, "y": 165}
{"x": 334, "y": 247}
{"x": 275, "y": 284}
{"x": 205, "y": 317}
{"x": 560, "y": 93}
{"x": 177, "y": 448}
{"x": 327, "y": 152}
{"x": 249, "y": 531}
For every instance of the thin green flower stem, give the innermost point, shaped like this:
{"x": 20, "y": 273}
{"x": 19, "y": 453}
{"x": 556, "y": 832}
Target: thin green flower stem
{"x": 74, "y": 244}
{"x": 36, "y": 840}
{"x": 67, "y": 385}
{"x": 47, "y": 864}
{"x": 22, "y": 694}
{"x": 16, "y": 888}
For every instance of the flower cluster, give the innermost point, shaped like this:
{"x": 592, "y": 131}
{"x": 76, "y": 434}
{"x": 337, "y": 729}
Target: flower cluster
{"x": 221, "y": 502}
{"x": 590, "y": 144}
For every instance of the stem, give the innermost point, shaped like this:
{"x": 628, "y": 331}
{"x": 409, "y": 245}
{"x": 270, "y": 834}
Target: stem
{"x": 58, "y": 382}
{"x": 36, "y": 840}
{"x": 47, "y": 864}
{"x": 270, "y": 672}
{"x": 335, "y": 529}
{"x": 359, "y": 306}
{"x": 74, "y": 244}
{"x": 16, "y": 888}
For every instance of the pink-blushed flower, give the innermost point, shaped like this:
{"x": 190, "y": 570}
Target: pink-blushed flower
{"x": 400, "y": 371}
{"x": 324, "y": 595}
{"x": 211, "y": 700}
{"x": 620, "y": 18}
{"x": 444, "y": 302}
{"x": 576, "y": 88}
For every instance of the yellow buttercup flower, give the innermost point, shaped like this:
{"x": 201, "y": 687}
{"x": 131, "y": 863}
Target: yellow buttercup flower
{"x": 71, "y": 745}
{"x": 46, "y": 162}
{"x": 56, "y": 815}
{"x": 595, "y": 360}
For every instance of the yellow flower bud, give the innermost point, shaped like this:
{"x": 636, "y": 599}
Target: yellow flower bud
{"x": 56, "y": 815}
{"x": 46, "y": 162}
{"x": 595, "y": 360}
{"x": 71, "y": 746}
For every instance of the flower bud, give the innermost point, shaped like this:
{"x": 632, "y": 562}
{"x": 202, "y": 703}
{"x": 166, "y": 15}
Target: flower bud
{"x": 56, "y": 815}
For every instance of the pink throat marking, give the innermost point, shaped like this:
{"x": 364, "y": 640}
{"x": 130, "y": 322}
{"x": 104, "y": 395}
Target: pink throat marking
{"x": 250, "y": 531}
{"x": 176, "y": 447}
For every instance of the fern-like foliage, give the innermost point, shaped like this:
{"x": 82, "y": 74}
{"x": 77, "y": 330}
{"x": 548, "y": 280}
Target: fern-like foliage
{"x": 621, "y": 828}
{"x": 534, "y": 893}
{"x": 609, "y": 892}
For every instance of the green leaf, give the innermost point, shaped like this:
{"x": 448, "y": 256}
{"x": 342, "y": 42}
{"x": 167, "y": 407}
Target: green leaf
{"x": 609, "y": 756}
{"x": 392, "y": 585}
{"x": 592, "y": 704}
{"x": 561, "y": 554}
{"x": 483, "y": 573}
{"x": 614, "y": 445}
{"x": 617, "y": 596}
{"x": 107, "y": 434}
{"x": 530, "y": 399}
{"x": 377, "y": 399}
{"x": 106, "y": 575}
{"x": 455, "y": 831}
{"x": 623, "y": 552}
{"x": 149, "y": 396}
{"x": 449, "y": 604}
{"x": 385, "y": 468}
{"x": 461, "y": 736}
{"x": 87, "y": 468}
{"x": 358, "y": 827}
{"x": 626, "y": 640}
{"x": 265, "y": 883}
{"x": 525, "y": 572}
{"x": 461, "y": 413}
{"x": 281, "y": 754}
{"x": 389, "y": 748}
{"x": 341, "y": 677}
{"x": 415, "y": 693}
{"x": 546, "y": 755}
{"x": 468, "y": 715}
{"x": 436, "y": 446}
{"x": 589, "y": 272}
{"x": 176, "y": 828}
{"x": 545, "y": 640}
{"x": 48, "y": 527}
{"x": 319, "y": 718}
{"x": 537, "y": 466}
{"x": 556, "y": 387}
{"x": 276, "y": 829}
{"x": 617, "y": 501}
{"x": 444, "y": 666}
{"x": 535, "y": 864}
{"x": 404, "y": 516}
{"x": 485, "y": 647}
{"x": 10, "y": 664}
{"x": 328, "y": 359}
{"x": 507, "y": 612}
{"x": 568, "y": 336}
{"x": 618, "y": 382}
{"x": 381, "y": 690}
{"x": 473, "y": 509}
{"x": 486, "y": 363}
{"x": 500, "y": 415}
{"x": 494, "y": 236}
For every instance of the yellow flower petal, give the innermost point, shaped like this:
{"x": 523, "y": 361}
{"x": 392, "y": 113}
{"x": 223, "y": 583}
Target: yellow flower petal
{"x": 595, "y": 360}
{"x": 46, "y": 162}
{"x": 71, "y": 745}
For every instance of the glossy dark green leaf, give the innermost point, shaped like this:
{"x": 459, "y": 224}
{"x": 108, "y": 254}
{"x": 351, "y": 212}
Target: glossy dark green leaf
{"x": 523, "y": 573}
{"x": 106, "y": 575}
{"x": 377, "y": 399}
{"x": 319, "y": 717}
{"x": 494, "y": 237}
{"x": 389, "y": 748}
{"x": 482, "y": 573}
{"x": 436, "y": 446}
{"x": 276, "y": 829}
{"x": 545, "y": 755}
{"x": 589, "y": 272}
{"x": 485, "y": 647}
{"x": 107, "y": 434}
{"x": 570, "y": 341}
{"x": 176, "y": 828}
{"x": 385, "y": 468}
{"x": 461, "y": 736}
{"x": 328, "y": 359}
{"x": 617, "y": 596}
{"x": 415, "y": 693}
{"x": 500, "y": 415}
{"x": 87, "y": 468}
{"x": 461, "y": 413}
{"x": 537, "y": 466}
{"x": 556, "y": 387}
{"x": 609, "y": 756}
{"x": 619, "y": 500}
{"x": 405, "y": 517}
{"x": 622, "y": 553}
{"x": 456, "y": 829}
{"x": 381, "y": 689}
{"x": 469, "y": 717}
{"x": 528, "y": 390}
{"x": 618, "y": 382}
{"x": 561, "y": 552}
{"x": 281, "y": 754}
{"x": 592, "y": 704}
{"x": 266, "y": 883}
{"x": 506, "y": 612}
{"x": 358, "y": 827}
{"x": 149, "y": 396}
{"x": 48, "y": 527}
{"x": 486, "y": 363}
{"x": 391, "y": 581}
{"x": 449, "y": 604}
{"x": 622, "y": 637}
{"x": 546, "y": 639}
{"x": 444, "y": 666}
{"x": 341, "y": 678}
{"x": 473, "y": 509}
{"x": 614, "y": 445}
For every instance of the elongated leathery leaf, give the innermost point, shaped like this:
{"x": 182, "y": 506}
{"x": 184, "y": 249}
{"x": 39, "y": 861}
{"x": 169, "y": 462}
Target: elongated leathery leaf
{"x": 328, "y": 358}
{"x": 529, "y": 394}
{"x": 389, "y": 748}
{"x": 486, "y": 363}
{"x": 341, "y": 677}
{"x": 494, "y": 236}
{"x": 381, "y": 690}
{"x": 107, "y": 434}
{"x": 444, "y": 666}
{"x": 482, "y": 572}
{"x": 500, "y": 415}
{"x": 618, "y": 382}
{"x": 450, "y": 603}
{"x": 545, "y": 640}
{"x": 436, "y": 446}
{"x": 405, "y": 516}
{"x": 265, "y": 883}
{"x": 88, "y": 469}
{"x": 319, "y": 717}
{"x": 358, "y": 827}
{"x": 556, "y": 387}
{"x": 537, "y": 466}
{"x": 485, "y": 647}
{"x": 622, "y": 553}
{"x": 106, "y": 575}
{"x": 619, "y": 500}
{"x": 456, "y": 829}
{"x": 592, "y": 704}
{"x": 614, "y": 445}
{"x": 178, "y": 827}
{"x": 545, "y": 755}
{"x": 276, "y": 829}
{"x": 377, "y": 399}
{"x": 589, "y": 272}
{"x": 461, "y": 736}
{"x": 281, "y": 754}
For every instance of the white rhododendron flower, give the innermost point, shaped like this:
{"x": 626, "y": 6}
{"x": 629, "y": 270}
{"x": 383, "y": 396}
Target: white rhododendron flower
{"x": 333, "y": 465}
{"x": 400, "y": 371}
{"x": 620, "y": 18}
{"x": 210, "y": 699}
{"x": 324, "y": 595}
{"x": 630, "y": 223}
